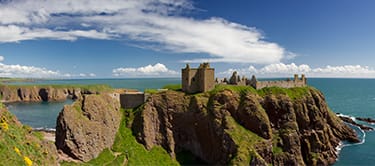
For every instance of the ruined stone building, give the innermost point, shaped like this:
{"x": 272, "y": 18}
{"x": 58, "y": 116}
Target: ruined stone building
{"x": 235, "y": 79}
{"x": 202, "y": 79}
{"x": 196, "y": 80}
{"x": 296, "y": 82}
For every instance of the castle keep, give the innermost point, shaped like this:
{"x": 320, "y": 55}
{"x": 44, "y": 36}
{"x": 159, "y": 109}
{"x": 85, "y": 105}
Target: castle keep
{"x": 200, "y": 79}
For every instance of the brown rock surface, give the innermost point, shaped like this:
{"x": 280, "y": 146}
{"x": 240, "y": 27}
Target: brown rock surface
{"x": 88, "y": 126}
{"x": 39, "y": 93}
{"x": 300, "y": 131}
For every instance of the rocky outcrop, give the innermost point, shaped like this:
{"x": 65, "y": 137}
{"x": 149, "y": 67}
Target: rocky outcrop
{"x": 368, "y": 120}
{"x": 88, "y": 126}
{"x": 351, "y": 121}
{"x": 230, "y": 127}
{"x": 12, "y": 93}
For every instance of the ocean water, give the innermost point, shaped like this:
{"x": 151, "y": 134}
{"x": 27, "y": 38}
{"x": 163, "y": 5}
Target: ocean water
{"x": 352, "y": 97}
{"x": 39, "y": 115}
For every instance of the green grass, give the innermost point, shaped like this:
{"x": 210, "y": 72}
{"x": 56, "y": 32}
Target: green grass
{"x": 275, "y": 140}
{"x": 22, "y": 138}
{"x": 175, "y": 87}
{"x": 292, "y": 93}
{"x": 151, "y": 91}
{"x": 127, "y": 150}
{"x": 245, "y": 140}
{"x": 236, "y": 88}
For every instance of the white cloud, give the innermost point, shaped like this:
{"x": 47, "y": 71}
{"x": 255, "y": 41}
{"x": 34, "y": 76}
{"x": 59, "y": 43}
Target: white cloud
{"x": 149, "y": 70}
{"x": 154, "y": 24}
{"x": 22, "y": 71}
{"x": 13, "y": 33}
{"x": 26, "y": 71}
{"x": 287, "y": 70}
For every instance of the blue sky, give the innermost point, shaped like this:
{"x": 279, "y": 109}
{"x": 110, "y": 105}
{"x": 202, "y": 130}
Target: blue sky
{"x": 155, "y": 38}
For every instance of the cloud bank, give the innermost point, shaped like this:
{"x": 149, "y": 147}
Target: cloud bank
{"x": 150, "y": 70}
{"x": 22, "y": 71}
{"x": 287, "y": 70}
{"x": 153, "y": 24}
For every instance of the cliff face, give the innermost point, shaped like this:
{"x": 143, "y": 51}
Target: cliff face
{"x": 10, "y": 93}
{"x": 88, "y": 126}
{"x": 230, "y": 127}
{"x": 34, "y": 93}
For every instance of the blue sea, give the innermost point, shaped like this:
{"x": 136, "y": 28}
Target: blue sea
{"x": 352, "y": 97}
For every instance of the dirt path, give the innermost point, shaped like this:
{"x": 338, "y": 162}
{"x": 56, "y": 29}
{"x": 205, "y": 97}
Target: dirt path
{"x": 49, "y": 136}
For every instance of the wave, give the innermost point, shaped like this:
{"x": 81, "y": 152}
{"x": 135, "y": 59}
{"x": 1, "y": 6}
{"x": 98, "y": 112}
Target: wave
{"x": 357, "y": 129}
{"x": 347, "y": 116}
{"x": 44, "y": 129}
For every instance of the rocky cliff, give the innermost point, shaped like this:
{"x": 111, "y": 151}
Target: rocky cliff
{"x": 244, "y": 126}
{"x": 88, "y": 126}
{"x": 13, "y": 93}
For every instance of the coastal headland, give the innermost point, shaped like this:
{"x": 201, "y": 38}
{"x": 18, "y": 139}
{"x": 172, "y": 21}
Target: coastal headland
{"x": 201, "y": 121}
{"x": 229, "y": 124}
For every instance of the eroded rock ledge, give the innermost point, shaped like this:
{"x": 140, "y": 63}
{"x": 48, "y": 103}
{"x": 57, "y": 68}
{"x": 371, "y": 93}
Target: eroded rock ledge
{"x": 230, "y": 127}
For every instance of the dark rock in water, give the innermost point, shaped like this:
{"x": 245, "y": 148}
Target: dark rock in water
{"x": 368, "y": 120}
{"x": 88, "y": 126}
{"x": 230, "y": 127}
{"x": 351, "y": 121}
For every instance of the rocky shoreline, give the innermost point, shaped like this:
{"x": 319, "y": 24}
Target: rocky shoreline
{"x": 361, "y": 126}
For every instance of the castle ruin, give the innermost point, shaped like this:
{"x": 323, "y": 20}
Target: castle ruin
{"x": 196, "y": 80}
{"x": 202, "y": 79}
{"x": 296, "y": 82}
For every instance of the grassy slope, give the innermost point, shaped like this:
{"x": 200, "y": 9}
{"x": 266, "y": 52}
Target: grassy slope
{"x": 245, "y": 140}
{"x": 16, "y": 136}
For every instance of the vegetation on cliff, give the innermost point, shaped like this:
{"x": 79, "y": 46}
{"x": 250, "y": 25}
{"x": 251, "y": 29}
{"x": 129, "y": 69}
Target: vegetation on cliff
{"x": 19, "y": 145}
{"x": 235, "y": 125}
{"x": 76, "y": 131}
{"x": 241, "y": 125}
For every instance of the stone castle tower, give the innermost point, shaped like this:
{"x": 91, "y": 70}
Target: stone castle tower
{"x": 195, "y": 80}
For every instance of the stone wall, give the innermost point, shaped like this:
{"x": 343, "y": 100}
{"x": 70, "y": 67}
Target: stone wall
{"x": 236, "y": 80}
{"x": 208, "y": 79}
{"x": 130, "y": 100}
{"x": 282, "y": 84}
{"x": 296, "y": 82}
